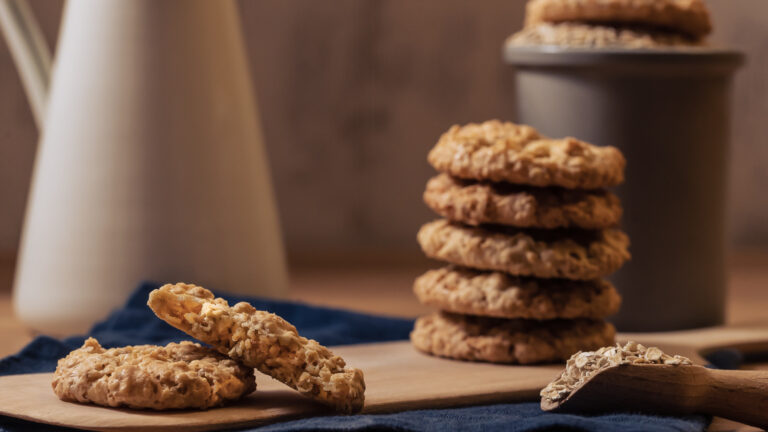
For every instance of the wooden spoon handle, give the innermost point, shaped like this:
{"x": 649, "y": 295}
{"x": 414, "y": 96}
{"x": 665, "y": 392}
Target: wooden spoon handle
{"x": 739, "y": 395}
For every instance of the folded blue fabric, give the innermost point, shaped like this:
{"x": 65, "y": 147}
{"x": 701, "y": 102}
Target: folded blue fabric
{"x": 135, "y": 323}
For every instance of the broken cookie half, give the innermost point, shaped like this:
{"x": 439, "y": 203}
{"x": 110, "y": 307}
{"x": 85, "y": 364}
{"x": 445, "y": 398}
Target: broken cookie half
{"x": 261, "y": 340}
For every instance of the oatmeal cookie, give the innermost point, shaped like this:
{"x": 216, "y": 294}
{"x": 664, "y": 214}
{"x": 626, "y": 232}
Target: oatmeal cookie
{"x": 497, "y": 294}
{"x": 495, "y": 340}
{"x": 686, "y": 16}
{"x": 575, "y": 35}
{"x": 497, "y": 151}
{"x": 176, "y": 376}
{"x": 570, "y": 254}
{"x": 261, "y": 340}
{"x": 475, "y": 203}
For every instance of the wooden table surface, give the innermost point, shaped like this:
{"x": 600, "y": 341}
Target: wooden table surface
{"x": 388, "y": 291}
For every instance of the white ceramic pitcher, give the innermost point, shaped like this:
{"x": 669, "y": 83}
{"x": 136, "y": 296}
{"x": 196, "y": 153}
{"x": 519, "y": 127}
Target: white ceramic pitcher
{"x": 151, "y": 164}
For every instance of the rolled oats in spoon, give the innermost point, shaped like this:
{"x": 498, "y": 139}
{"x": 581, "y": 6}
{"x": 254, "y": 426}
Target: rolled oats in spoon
{"x": 583, "y": 365}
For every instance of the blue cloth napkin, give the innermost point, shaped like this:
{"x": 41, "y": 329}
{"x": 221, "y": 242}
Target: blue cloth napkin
{"x": 135, "y": 323}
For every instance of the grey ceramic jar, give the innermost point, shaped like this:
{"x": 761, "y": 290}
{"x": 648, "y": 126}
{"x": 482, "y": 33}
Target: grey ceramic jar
{"x": 668, "y": 111}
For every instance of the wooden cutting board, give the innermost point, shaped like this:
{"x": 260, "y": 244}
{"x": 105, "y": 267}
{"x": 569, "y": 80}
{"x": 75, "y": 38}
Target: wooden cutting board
{"x": 397, "y": 377}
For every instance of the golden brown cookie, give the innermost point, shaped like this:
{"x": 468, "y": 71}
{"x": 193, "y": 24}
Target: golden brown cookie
{"x": 466, "y": 337}
{"x": 575, "y": 35}
{"x": 570, "y": 254}
{"x": 497, "y": 151}
{"x": 496, "y": 294}
{"x": 176, "y": 376}
{"x": 685, "y": 16}
{"x": 261, "y": 340}
{"x": 475, "y": 203}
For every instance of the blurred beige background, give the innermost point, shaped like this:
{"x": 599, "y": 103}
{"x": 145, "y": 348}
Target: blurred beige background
{"x": 353, "y": 93}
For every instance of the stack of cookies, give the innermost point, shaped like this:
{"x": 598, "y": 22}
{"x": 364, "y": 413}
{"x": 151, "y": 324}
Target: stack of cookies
{"x": 528, "y": 234}
{"x": 614, "y": 23}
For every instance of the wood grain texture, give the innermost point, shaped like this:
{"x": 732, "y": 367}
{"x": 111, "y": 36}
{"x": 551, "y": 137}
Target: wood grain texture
{"x": 397, "y": 378}
{"x": 357, "y": 93}
{"x": 387, "y": 290}
{"x": 738, "y": 395}
{"x": 672, "y": 390}
{"x": 353, "y": 94}
{"x": 13, "y": 334}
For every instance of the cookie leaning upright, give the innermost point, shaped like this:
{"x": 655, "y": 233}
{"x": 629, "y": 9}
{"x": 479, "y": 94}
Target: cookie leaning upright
{"x": 261, "y": 340}
{"x": 529, "y": 231}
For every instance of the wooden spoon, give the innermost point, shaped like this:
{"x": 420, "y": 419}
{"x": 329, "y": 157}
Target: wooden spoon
{"x": 666, "y": 389}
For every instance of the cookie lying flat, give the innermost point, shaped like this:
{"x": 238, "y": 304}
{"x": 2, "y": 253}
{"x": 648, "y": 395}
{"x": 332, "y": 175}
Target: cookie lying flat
{"x": 261, "y": 340}
{"x": 475, "y": 203}
{"x": 686, "y": 16}
{"x": 176, "y": 376}
{"x": 576, "y": 35}
{"x": 497, "y": 151}
{"x": 497, "y": 294}
{"x": 496, "y": 340}
{"x": 570, "y": 254}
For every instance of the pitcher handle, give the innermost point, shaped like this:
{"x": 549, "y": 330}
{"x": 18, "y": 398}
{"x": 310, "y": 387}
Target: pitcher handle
{"x": 30, "y": 52}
